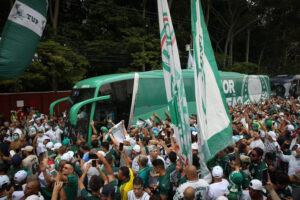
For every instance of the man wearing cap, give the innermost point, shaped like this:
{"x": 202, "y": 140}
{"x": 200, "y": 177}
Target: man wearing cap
{"x": 271, "y": 144}
{"x": 200, "y": 185}
{"x": 219, "y": 187}
{"x": 30, "y": 162}
{"x": 16, "y": 162}
{"x": 256, "y": 190}
{"x": 20, "y": 184}
{"x": 6, "y": 189}
{"x": 135, "y": 152}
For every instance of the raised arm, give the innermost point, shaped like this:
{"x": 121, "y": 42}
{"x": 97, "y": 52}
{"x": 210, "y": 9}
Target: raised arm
{"x": 81, "y": 180}
{"x": 108, "y": 168}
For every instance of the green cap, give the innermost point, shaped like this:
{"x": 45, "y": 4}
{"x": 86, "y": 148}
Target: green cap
{"x": 236, "y": 180}
{"x": 66, "y": 142}
{"x": 104, "y": 129}
{"x": 269, "y": 123}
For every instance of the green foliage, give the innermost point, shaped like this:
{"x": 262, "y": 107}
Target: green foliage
{"x": 246, "y": 68}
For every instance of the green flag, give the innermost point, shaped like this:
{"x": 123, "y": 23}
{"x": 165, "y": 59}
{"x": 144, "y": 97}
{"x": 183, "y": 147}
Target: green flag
{"x": 174, "y": 82}
{"x": 214, "y": 121}
{"x": 20, "y": 37}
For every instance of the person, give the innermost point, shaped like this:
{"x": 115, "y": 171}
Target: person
{"x": 220, "y": 185}
{"x": 138, "y": 192}
{"x": 6, "y": 189}
{"x": 16, "y": 162}
{"x": 143, "y": 173}
{"x": 32, "y": 188}
{"x": 164, "y": 185}
{"x": 201, "y": 186}
{"x": 125, "y": 176}
{"x": 257, "y": 165}
{"x": 30, "y": 162}
{"x": 256, "y": 190}
{"x": 281, "y": 185}
{"x": 189, "y": 193}
{"x": 20, "y": 179}
{"x": 293, "y": 160}
{"x": 70, "y": 179}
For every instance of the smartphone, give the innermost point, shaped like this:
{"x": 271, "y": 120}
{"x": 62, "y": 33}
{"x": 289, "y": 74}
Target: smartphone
{"x": 264, "y": 176}
{"x": 53, "y": 173}
{"x": 121, "y": 147}
{"x": 94, "y": 163}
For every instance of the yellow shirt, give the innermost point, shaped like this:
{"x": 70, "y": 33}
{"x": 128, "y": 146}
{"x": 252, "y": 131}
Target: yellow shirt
{"x": 126, "y": 186}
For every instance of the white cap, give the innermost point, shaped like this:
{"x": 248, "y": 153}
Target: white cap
{"x": 290, "y": 127}
{"x": 194, "y": 146}
{"x": 217, "y": 172}
{"x": 272, "y": 135}
{"x": 256, "y": 184}
{"x": 102, "y": 152}
{"x": 20, "y": 176}
{"x": 4, "y": 180}
{"x": 130, "y": 140}
{"x": 71, "y": 153}
{"x": 49, "y": 145}
{"x": 17, "y": 130}
{"x": 45, "y": 137}
{"x": 137, "y": 148}
{"x": 281, "y": 114}
{"x": 194, "y": 133}
{"x": 56, "y": 146}
{"x": 66, "y": 156}
{"x": 222, "y": 198}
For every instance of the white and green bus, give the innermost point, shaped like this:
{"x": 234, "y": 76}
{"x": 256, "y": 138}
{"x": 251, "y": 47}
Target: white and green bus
{"x": 130, "y": 96}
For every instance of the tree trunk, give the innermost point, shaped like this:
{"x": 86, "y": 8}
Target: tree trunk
{"x": 54, "y": 14}
{"x": 260, "y": 58}
{"x": 144, "y": 16}
{"x": 207, "y": 13}
{"x": 247, "y": 46}
{"x": 226, "y": 46}
{"x": 170, "y": 4}
{"x": 231, "y": 51}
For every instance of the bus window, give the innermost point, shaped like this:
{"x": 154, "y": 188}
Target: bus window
{"x": 82, "y": 94}
{"x": 116, "y": 108}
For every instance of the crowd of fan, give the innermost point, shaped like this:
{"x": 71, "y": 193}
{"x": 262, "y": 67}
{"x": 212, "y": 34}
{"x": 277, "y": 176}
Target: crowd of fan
{"x": 263, "y": 161}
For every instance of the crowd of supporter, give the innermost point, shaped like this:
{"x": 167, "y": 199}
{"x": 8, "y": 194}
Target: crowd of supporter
{"x": 37, "y": 160}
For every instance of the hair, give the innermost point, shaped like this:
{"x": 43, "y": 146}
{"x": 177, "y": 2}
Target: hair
{"x": 143, "y": 160}
{"x": 125, "y": 171}
{"x": 1, "y": 137}
{"x": 95, "y": 143}
{"x": 155, "y": 197}
{"x": 270, "y": 156}
{"x": 95, "y": 183}
{"x": 69, "y": 163}
{"x": 4, "y": 167}
{"x": 109, "y": 158}
{"x": 259, "y": 151}
{"x": 281, "y": 178}
{"x": 158, "y": 163}
{"x": 105, "y": 145}
{"x": 196, "y": 161}
{"x": 138, "y": 181}
{"x": 62, "y": 150}
{"x": 85, "y": 146}
{"x": 173, "y": 156}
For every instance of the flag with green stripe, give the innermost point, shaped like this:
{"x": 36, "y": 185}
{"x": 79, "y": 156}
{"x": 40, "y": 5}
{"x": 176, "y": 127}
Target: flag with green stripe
{"x": 214, "y": 121}
{"x": 174, "y": 82}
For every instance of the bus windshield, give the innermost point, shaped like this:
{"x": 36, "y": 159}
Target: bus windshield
{"x": 82, "y": 127}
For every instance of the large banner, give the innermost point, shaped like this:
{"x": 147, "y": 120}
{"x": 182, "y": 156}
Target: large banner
{"x": 174, "y": 82}
{"x": 21, "y": 35}
{"x": 214, "y": 122}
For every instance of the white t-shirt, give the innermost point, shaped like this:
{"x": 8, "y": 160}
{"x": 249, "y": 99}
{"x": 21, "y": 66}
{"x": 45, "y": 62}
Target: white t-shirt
{"x": 131, "y": 196}
{"x": 51, "y": 135}
{"x": 217, "y": 189}
{"x": 58, "y": 133}
{"x": 135, "y": 165}
{"x": 200, "y": 186}
{"x": 257, "y": 143}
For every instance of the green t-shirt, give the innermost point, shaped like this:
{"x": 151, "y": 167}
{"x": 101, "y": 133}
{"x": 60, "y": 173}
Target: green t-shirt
{"x": 113, "y": 153}
{"x": 256, "y": 170}
{"x": 144, "y": 174}
{"x": 246, "y": 180}
{"x": 87, "y": 195}
{"x": 181, "y": 180}
{"x": 71, "y": 187}
{"x": 117, "y": 189}
{"x": 171, "y": 168}
{"x": 286, "y": 192}
{"x": 164, "y": 184}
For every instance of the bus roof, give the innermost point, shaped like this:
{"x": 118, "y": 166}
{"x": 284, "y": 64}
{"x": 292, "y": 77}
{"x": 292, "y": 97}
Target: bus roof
{"x": 96, "y": 81}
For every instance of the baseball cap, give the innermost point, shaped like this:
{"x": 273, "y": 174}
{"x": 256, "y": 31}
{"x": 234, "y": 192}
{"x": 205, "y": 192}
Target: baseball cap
{"x": 40, "y": 130}
{"x": 66, "y": 142}
{"x": 16, "y": 160}
{"x": 272, "y": 135}
{"x": 222, "y": 198}
{"x": 27, "y": 148}
{"x": 104, "y": 129}
{"x": 102, "y": 152}
{"x": 217, "y": 172}
{"x": 20, "y": 176}
{"x": 137, "y": 148}
{"x": 290, "y": 127}
{"x": 56, "y": 146}
{"x": 108, "y": 190}
{"x": 35, "y": 197}
{"x": 66, "y": 156}
{"x": 4, "y": 180}
{"x": 194, "y": 133}
{"x": 152, "y": 147}
{"x": 49, "y": 145}
{"x": 256, "y": 184}
{"x": 194, "y": 146}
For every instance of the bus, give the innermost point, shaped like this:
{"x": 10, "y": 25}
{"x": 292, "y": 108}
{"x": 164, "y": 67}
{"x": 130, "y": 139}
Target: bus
{"x": 137, "y": 95}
